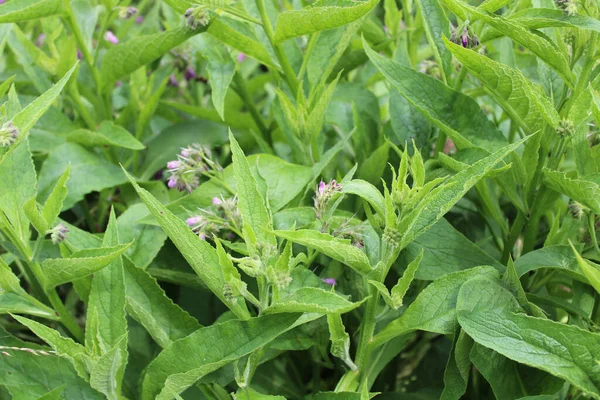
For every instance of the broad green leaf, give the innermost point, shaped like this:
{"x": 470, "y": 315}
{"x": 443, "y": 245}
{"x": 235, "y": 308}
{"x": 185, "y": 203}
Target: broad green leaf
{"x": 591, "y": 271}
{"x": 399, "y": 290}
{"x": 556, "y": 257}
{"x": 434, "y": 308}
{"x": 30, "y": 371}
{"x": 523, "y": 100}
{"x": 54, "y": 203}
{"x": 486, "y": 312}
{"x": 312, "y": 300}
{"x": 336, "y": 248}
{"x": 538, "y": 18}
{"x": 340, "y": 340}
{"x": 147, "y": 239}
{"x": 108, "y": 134}
{"x": 123, "y": 59}
{"x": 27, "y": 117}
{"x": 442, "y": 199}
{"x": 106, "y": 303}
{"x": 446, "y": 250}
{"x": 540, "y": 46}
{"x": 585, "y": 190}
{"x": 250, "y": 394}
{"x": 456, "y": 375}
{"x": 64, "y": 347}
{"x": 24, "y": 10}
{"x": 456, "y": 114}
{"x": 4, "y": 86}
{"x": 407, "y": 122}
{"x": 201, "y": 256}
{"x": 209, "y": 348}
{"x": 14, "y": 299}
{"x": 510, "y": 380}
{"x": 247, "y": 45}
{"x": 437, "y": 26}
{"x": 251, "y": 203}
{"x": 17, "y": 174}
{"x": 89, "y": 173}
{"x": 148, "y": 304}
{"x": 79, "y": 264}
{"x": 367, "y": 192}
{"x": 321, "y": 16}
{"x": 372, "y": 169}
{"x": 220, "y": 68}
{"x": 32, "y": 212}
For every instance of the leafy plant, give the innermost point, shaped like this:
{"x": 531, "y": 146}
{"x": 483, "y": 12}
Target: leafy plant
{"x": 330, "y": 199}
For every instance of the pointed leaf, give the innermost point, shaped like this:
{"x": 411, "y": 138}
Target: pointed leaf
{"x": 312, "y": 300}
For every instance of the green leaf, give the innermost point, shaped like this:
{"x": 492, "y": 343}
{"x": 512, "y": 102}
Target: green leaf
{"x": 63, "y": 346}
{"x": 27, "y": 117}
{"x": 89, "y": 173}
{"x": 556, "y": 257}
{"x": 106, "y": 304}
{"x": 456, "y": 375}
{"x": 30, "y": 371}
{"x": 251, "y": 203}
{"x": 313, "y": 300}
{"x": 220, "y": 67}
{"x": 456, "y": 114}
{"x": 399, "y": 290}
{"x": 54, "y": 203}
{"x": 336, "y": 248}
{"x": 591, "y": 271}
{"x": 209, "y": 348}
{"x": 323, "y": 15}
{"x": 442, "y": 199}
{"x": 437, "y": 26}
{"x": 540, "y": 46}
{"x": 201, "y": 256}
{"x": 250, "y": 394}
{"x": 123, "y": 59}
{"x": 434, "y": 308}
{"x": 538, "y": 18}
{"x": 147, "y": 303}
{"x": 4, "y": 86}
{"x": 147, "y": 239}
{"x": 523, "y": 100}
{"x": 584, "y": 190}
{"x": 446, "y": 250}
{"x": 367, "y": 192}
{"x": 14, "y": 299}
{"x": 108, "y": 134}
{"x": 25, "y": 10}
{"x": 486, "y": 312}
{"x": 79, "y": 264}
{"x": 18, "y": 178}
{"x": 372, "y": 169}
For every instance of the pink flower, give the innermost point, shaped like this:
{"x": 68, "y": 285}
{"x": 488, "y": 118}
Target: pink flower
{"x": 329, "y": 281}
{"x": 173, "y": 164}
{"x": 216, "y": 201}
{"x": 173, "y": 80}
{"x": 202, "y": 236}
{"x": 241, "y": 57}
{"x": 40, "y": 40}
{"x": 139, "y": 19}
{"x": 185, "y": 153}
{"x": 192, "y": 221}
{"x": 172, "y": 183}
{"x": 109, "y": 36}
{"x": 79, "y": 54}
{"x": 189, "y": 74}
{"x": 322, "y": 187}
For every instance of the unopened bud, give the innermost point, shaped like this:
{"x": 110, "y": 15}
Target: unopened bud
{"x": 59, "y": 233}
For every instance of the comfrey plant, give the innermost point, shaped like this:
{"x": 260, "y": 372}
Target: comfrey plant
{"x": 207, "y": 199}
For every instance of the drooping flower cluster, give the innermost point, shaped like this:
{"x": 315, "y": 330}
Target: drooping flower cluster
{"x": 196, "y": 16}
{"x": 464, "y": 37}
{"x": 192, "y": 162}
{"x": 565, "y": 128}
{"x": 568, "y": 6}
{"x": 8, "y": 134}
{"x": 323, "y": 194}
{"x": 127, "y": 12}
{"x": 223, "y": 216}
{"x": 58, "y": 233}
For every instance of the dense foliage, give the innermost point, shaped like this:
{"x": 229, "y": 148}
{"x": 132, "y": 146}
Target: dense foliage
{"x": 335, "y": 199}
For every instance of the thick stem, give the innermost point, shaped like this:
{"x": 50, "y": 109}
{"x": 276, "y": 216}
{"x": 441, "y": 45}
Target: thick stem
{"x": 366, "y": 334}
{"x": 242, "y": 89}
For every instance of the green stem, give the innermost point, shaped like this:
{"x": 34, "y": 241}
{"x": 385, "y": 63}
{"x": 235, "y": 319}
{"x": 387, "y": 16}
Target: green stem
{"x": 242, "y": 89}
{"x": 366, "y": 334}
{"x": 592, "y": 228}
{"x": 513, "y": 235}
{"x": 288, "y": 72}
{"x": 309, "y": 49}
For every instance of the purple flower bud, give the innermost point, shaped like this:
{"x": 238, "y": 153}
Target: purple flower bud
{"x": 329, "y": 281}
{"x": 202, "y": 236}
{"x": 185, "y": 153}
{"x": 173, "y": 81}
{"x": 241, "y": 57}
{"x": 216, "y": 201}
{"x": 139, "y": 19}
{"x": 109, "y": 36}
{"x": 172, "y": 183}
{"x": 189, "y": 74}
{"x": 118, "y": 83}
{"x": 79, "y": 55}
{"x": 40, "y": 40}
{"x": 322, "y": 187}
{"x": 2, "y": 1}
{"x": 191, "y": 221}
{"x": 173, "y": 164}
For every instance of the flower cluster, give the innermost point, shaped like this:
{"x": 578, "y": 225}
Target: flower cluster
{"x": 58, "y": 234}
{"x": 127, "y": 12}
{"x": 224, "y": 216}
{"x": 8, "y": 134}
{"x": 568, "y": 6}
{"x": 463, "y": 37}
{"x": 193, "y": 161}
{"x": 323, "y": 194}
{"x": 565, "y": 128}
{"x": 196, "y": 16}
{"x": 350, "y": 232}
